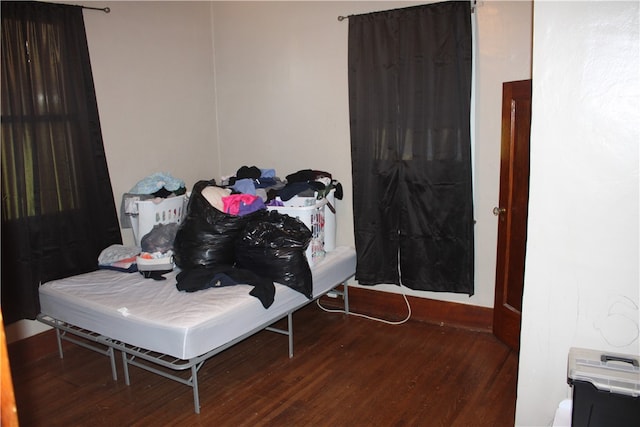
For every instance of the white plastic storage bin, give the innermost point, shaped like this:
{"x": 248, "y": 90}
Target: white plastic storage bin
{"x": 150, "y": 213}
{"x": 314, "y": 218}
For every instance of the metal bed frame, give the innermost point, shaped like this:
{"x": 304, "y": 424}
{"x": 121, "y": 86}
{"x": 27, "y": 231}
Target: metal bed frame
{"x": 163, "y": 364}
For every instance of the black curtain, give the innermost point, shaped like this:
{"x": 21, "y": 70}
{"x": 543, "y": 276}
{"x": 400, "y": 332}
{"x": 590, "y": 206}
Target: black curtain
{"x": 58, "y": 210}
{"x": 409, "y": 100}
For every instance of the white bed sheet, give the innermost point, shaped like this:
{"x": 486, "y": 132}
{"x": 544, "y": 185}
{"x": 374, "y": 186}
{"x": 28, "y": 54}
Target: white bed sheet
{"x": 156, "y": 316}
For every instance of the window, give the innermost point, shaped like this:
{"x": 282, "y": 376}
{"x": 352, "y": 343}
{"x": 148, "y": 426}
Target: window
{"x": 58, "y": 211}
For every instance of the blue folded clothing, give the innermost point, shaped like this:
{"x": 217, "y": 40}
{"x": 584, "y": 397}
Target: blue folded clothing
{"x": 157, "y": 181}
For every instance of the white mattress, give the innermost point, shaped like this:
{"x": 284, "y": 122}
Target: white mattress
{"x": 156, "y": 316}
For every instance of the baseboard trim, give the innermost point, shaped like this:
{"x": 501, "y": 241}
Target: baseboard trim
{"x": 391, "y": 306}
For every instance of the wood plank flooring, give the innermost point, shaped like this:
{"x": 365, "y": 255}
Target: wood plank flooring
{"x": 346, "y": 371}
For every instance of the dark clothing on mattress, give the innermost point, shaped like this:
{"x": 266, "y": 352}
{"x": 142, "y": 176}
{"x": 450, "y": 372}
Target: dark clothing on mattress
{"x": 226, "y": 275}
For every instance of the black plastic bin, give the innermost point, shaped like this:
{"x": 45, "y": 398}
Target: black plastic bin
{"x": 606, "y": 388}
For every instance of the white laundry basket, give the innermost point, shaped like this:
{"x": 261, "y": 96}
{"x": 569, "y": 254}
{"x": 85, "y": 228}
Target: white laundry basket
{"x": 152, "y": 212}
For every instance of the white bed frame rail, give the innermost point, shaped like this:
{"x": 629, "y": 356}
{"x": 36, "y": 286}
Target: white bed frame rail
{"x": 163, "y": 364}
{"x": 68, "y": 332}
{"x": 150, "y": 361}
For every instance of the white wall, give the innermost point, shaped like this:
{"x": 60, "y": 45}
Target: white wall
{"x": 282, "y": 100}
{"x": 503, "y": 49}
{"x": 199, "y": 89}
{"x": 581, "y": 276}
{"x": 152, "y": 65}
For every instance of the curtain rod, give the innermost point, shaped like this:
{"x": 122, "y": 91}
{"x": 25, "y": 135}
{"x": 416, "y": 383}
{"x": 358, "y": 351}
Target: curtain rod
{"x": 104, "y": 9}
{"x": 473, "y": 9}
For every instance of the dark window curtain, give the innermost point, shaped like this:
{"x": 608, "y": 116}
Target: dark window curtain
{"x": 409, "y": 100}
{"x": 58, "y": 211}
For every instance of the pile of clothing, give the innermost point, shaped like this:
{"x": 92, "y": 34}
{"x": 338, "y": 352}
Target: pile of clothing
{"x": 159, "y": 185}
{"x": 263, "y": 183}
{"x": 228, "y": 236}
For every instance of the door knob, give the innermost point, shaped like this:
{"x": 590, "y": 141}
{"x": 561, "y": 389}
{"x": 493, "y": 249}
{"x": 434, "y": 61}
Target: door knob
{"x": 497, "y": 211}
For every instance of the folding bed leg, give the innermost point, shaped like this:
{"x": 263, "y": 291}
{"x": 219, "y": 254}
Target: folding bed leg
{"x": 112, "y": 357}
{"x": 59, "y": 338}
{"x": 290, "y": 321}
{"x": 345, "y": 292}
{"x": 125, "y": 368}
{"x": 194, "y": 384}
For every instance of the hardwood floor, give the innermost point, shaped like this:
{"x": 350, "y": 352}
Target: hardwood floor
{"x": 346, "y": 371}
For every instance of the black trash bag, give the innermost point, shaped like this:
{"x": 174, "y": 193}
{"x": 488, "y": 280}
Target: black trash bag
{"x": 274, "y": 247}
{"x": 207, "y": 236}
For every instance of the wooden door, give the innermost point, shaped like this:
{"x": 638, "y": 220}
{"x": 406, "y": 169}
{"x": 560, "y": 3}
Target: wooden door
{"x": 512, "y": 211}
{"x": 8, "y": 410}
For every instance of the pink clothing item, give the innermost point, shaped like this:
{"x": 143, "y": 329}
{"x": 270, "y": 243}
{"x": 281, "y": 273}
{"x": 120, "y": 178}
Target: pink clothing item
{"x": 233, "y": 203}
